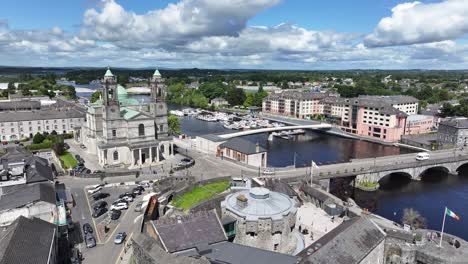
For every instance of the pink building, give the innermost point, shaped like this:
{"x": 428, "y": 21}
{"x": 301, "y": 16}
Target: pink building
{"x": 419, "y": 124}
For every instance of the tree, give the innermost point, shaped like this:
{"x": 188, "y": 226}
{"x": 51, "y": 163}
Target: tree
{"x": 38, "y": 138}
{"x": 235, "y": 96}
{"x": 95, "y": 96}
{"x": 59, "y": 148}
{"x": 413, "y": 218}
{"x": 174, "y": 124}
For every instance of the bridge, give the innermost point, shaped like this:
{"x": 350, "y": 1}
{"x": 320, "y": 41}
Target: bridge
{"x": 374, "y": 169}
{"x": 273, "y": 129}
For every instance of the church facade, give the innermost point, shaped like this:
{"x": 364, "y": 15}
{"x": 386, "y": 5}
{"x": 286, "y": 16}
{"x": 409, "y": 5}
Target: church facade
{"x": 123, "y": 132}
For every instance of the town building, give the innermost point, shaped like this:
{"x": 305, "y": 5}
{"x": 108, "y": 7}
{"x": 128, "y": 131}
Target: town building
{"x": 35, "y": 200}
{"x": 243, "y": 151}
{"x": 419, "y": 124}
{"x": 29, "y": 241}
{"x": 356, "y": 241}
{"x": 404, "y": 103}
{"x": 453, "y": 132}
{"x": 264, "y": 219}
{"x": 19, "y": 166}
{"x": 123, "y": 132}
{"x": 218, "y": 101}
{"x": 23, "y": 118}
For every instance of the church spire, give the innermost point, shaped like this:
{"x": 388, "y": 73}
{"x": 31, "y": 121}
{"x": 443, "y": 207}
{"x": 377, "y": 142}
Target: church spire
{"x": 157, "y": 73}
{"x": 108, "y": 73}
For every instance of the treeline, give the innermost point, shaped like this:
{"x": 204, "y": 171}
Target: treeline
{"x": 40, "y": 86}
{"x": 179, "y": 93}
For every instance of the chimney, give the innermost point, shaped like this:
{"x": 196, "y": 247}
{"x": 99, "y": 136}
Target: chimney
{"x": 241, "y": 201}
{"x": 257, "y": 148}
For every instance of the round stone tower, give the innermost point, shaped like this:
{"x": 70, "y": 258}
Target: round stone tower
{"x": 264, "y": 219}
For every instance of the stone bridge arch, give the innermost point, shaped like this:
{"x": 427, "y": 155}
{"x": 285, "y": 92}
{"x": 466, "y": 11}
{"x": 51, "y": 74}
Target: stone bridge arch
{"x": 460, "y": 164}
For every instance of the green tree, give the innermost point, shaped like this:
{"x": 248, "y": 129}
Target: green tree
{"x": 59, "y": 148}
{"x": 235, "y": 96}
{"x": 95, "y": 96}
{"x": 174, "y": 124}
{"x": 38, "y": 138}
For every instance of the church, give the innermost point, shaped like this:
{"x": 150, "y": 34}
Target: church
{"x": 123, "y": 132}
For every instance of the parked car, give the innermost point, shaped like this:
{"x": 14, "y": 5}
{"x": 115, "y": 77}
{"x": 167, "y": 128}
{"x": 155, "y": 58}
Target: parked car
{"x": 100, "y": 204}
{"x": 90, "y": 241}
{"x": 77, "y": 157}
{"x": 115, "y": 214}
{"x": 87, "y": 229}
{"x": 128, "y": 199}
{"x": 422, "y": 156}
{"x": 95, "y": 190}
{"x": 138, "y": 206}
{"x": 66, "y": 146}
{"x": 120, "y": 238}
{"x": 144, "y": 184}
{"x": 119, "y": 206}
{"x": 4, "y": 142}
{"x": 82, "y": 146}
{"x": 127, "y": 194}
{"x": 88, "y": 171}
{"x": 138, "y": 190}
{"x": 100, "y": 195}
{"x": 120, "y": 200}
{"x": 75, "y": 256}
{"x": 99, "y": 211}
{"x": 17, "y": 142}
{"x": 98, "y": 171}
{"x": 186, "y": 162}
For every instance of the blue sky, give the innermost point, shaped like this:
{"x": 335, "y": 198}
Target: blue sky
{"x": 269, "y": 34}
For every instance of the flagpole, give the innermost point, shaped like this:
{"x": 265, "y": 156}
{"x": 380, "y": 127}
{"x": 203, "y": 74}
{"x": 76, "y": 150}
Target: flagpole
{"x": 311, "y": 172}
{"x": 443, "y": 225}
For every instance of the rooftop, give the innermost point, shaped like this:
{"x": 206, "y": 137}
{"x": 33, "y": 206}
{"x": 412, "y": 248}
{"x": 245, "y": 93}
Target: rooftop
{"x": 348, "y": 243}
{"x": 40, "y": 115}
{"x": 243, "y": 146}
{"x": 189, "y": 231}
{"x": 455, "y": 122}
{"x": 20, "y": 195}
{"x": 261, "y": 203}
{"x": 27, "y": 241}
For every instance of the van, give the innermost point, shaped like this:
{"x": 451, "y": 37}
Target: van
{"x": 422, "y": 156}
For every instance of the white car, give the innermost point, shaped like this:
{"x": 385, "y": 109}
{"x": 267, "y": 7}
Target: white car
{"x": 95, "y": 190}
{"x": 268, "y": 171}
{"x": 119, "y": 206}
{"x": 128, "y": 198}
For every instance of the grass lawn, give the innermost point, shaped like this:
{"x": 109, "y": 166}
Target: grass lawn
{"x": 199, "y": 194}
{"x": 68, "y": 160}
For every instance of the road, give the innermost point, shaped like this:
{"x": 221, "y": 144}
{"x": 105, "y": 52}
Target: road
{"x": 105, "y": 251}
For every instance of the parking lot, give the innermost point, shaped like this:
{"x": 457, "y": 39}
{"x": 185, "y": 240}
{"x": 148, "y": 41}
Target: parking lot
{"x": 91, "y": 161}
{"x": 105, "y": 251}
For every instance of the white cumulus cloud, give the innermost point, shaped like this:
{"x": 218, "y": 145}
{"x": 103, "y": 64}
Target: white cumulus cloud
{"x": 416, "y": 22}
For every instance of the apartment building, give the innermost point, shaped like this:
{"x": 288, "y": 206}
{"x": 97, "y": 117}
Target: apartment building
{"x": 295, "y": 103}
{"x": 380, "y": 117}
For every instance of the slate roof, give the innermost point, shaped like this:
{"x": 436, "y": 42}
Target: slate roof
{"x": 38, "y": 170}
{"x": 213, "y": 137}
{"x": 20, "y": 195}
{"x": 348, "y": 243}
{"x": 14, "y": 105}
{"x": 243, "y": 146}
{"x": 27, "y": 241}
{"x": 40, "y": 115}
{"x": 391, "y": 99}
{"x": 277, "y": 185}
{"x": 189, "y": 231}
{"x": 227, "y": 252}
{"x": 455, "y": 122}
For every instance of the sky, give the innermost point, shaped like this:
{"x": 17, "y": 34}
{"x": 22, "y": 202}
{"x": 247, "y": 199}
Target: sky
{"x": 236, "y": 34}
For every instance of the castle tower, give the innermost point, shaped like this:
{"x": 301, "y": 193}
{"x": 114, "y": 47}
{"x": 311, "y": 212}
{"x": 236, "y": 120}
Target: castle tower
{"x": 158, "y": 106}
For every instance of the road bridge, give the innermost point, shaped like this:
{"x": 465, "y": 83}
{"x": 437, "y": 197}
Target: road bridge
{"x": 374, "y": 169}
{"x": 273, "y": 129}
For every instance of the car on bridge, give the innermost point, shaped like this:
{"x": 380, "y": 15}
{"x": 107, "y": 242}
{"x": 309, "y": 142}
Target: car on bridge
{"x": 422, "y": 156}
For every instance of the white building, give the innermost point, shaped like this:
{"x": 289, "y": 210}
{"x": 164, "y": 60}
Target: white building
{"x": 121, "y": 131}
{"x": 15, "y": 125}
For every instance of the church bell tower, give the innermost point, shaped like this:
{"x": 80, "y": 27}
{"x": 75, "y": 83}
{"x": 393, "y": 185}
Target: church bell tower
{"x": 110, "y": 105}
{"x": 158, "y": 105}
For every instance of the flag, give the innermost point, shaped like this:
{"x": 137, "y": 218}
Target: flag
{"x": 314, "y": 165}
{"x": 451, "y": 214}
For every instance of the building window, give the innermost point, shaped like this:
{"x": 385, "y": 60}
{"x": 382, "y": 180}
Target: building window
{"x": 141, "y": 130}
{"x": 114, "y": 132}
{"x": 116, "y": 155}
